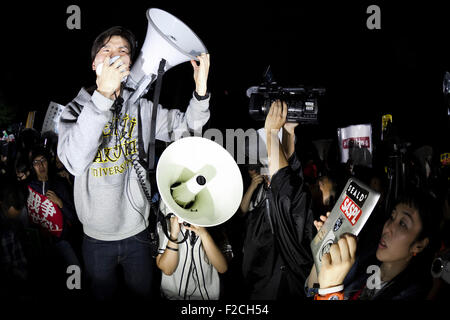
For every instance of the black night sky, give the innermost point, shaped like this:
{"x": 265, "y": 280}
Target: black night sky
{"x": 367, "y": 73}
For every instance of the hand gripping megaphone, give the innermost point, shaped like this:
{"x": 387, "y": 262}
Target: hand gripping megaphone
{"x": 199, "y": 181}
{"x": 167, "y": 39}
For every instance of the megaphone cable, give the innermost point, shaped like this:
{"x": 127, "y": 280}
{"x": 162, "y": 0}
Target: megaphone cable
{"x": 133, "y": 157}
{"x": 193, "y": 268}
{"x": 184, "y": 267}
{"x": 203, "y": 274}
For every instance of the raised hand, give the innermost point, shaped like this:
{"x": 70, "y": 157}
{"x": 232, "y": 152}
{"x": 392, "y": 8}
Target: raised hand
{"x": 201, "y": 71}
{"x": 276, "y": 118}
{"x": 111, "y": 76}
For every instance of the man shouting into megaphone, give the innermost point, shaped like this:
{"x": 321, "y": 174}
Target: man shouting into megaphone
{"x": 99, "y": 144}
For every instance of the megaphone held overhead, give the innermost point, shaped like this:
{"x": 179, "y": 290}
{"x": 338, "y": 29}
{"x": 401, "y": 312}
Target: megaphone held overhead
{"x": 167, "y": 38}
{"x": 199, "y": 181}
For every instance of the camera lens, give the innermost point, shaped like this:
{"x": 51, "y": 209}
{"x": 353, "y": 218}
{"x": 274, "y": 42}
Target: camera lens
{"x": 436, "y": 267}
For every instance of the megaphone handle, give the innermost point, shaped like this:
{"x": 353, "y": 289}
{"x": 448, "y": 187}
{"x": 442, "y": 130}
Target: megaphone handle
{"x": 166, "y": 232}
{"x": 151, "y": 146}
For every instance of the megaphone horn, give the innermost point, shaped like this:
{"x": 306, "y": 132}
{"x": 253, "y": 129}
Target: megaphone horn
{"x": 167, "y": 38}
{"x": 199, "y": 181}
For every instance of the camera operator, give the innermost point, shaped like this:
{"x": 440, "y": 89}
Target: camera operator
{"x": 279, "y": 229}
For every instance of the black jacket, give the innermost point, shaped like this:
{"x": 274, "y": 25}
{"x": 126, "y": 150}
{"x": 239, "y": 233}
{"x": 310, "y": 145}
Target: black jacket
{"x": 277, "y": 256}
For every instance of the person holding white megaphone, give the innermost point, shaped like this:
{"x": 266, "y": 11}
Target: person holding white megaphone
{"x": 190, "y": 269}
{"x": 103, "y": 141}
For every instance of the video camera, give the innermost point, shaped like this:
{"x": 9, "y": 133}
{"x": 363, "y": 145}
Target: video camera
{"x": 302, "y": 102}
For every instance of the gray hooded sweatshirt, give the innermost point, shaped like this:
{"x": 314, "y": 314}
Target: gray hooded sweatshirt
{"x": 109, "y": 201}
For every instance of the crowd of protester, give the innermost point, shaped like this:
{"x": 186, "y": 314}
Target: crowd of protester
{"x": 35, "y": 256}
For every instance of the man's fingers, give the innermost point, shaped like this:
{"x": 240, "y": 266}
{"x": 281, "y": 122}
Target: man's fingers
{"x": 352, "y": 244}
{"x": 117, "y": 63}
{"x": 326, "y": 260}
{"x": 284, "y": 110}
{"x": 343, "y": 248}
{"x": 335, "y": 254}
{"x": 318, "y": 225}
{"x": 271, "y": 110}
{"x": 204, "y": 57}
{"x": 125, "y": 73}
{"x": 277, "y": 109}
{"x": 203, "y": 60}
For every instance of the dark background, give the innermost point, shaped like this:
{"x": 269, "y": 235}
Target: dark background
{"x": 367, "y": 73}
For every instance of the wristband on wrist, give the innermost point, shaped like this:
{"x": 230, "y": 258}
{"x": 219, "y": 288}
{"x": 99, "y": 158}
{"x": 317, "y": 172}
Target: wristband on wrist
{"x": 170, "y": 248}
{"x": 326, "y": 291}
{"x": 330, "y": 296}
{"x": 199, "y": 97}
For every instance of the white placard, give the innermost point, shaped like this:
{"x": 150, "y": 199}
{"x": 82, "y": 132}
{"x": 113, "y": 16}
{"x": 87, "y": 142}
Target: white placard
{"x": 355, "y": 143}
{"x": 52, "y": 116}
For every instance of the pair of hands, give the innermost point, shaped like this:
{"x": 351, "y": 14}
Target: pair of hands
{"x": 175, "y": 228}
{"x": 276, "y": 119}
{"x": 338, "y": 261}
{"x": 108, "y": 82}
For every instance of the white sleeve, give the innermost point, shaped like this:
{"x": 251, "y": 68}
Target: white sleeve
{"x": 172, "y": 124}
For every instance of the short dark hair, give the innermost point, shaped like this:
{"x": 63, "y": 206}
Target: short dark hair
{"x": 430, "y": 214}
{"x": 104, "y": 37}
{"x": 36, "y": 152}
{"x": 21, "y": 163}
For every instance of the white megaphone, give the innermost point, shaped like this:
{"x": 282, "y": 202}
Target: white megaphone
{"x": 167, "y": 38}
{"x": 199, "y": 182}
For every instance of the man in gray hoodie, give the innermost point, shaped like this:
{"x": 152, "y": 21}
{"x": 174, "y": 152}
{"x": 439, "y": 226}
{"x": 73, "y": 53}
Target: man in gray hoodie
{"x": 96, "y": 144}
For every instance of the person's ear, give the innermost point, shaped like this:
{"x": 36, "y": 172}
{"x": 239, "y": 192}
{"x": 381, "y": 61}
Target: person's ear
{"x": 419, "y": 246}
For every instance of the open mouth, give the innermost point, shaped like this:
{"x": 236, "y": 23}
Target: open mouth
{"x": 382, "y": 244}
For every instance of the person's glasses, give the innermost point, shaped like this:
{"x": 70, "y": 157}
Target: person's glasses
{"x": 39, "y": 161}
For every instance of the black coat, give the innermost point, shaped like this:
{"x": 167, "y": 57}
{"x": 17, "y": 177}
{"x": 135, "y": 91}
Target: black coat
{"x": 277, "y": 256}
